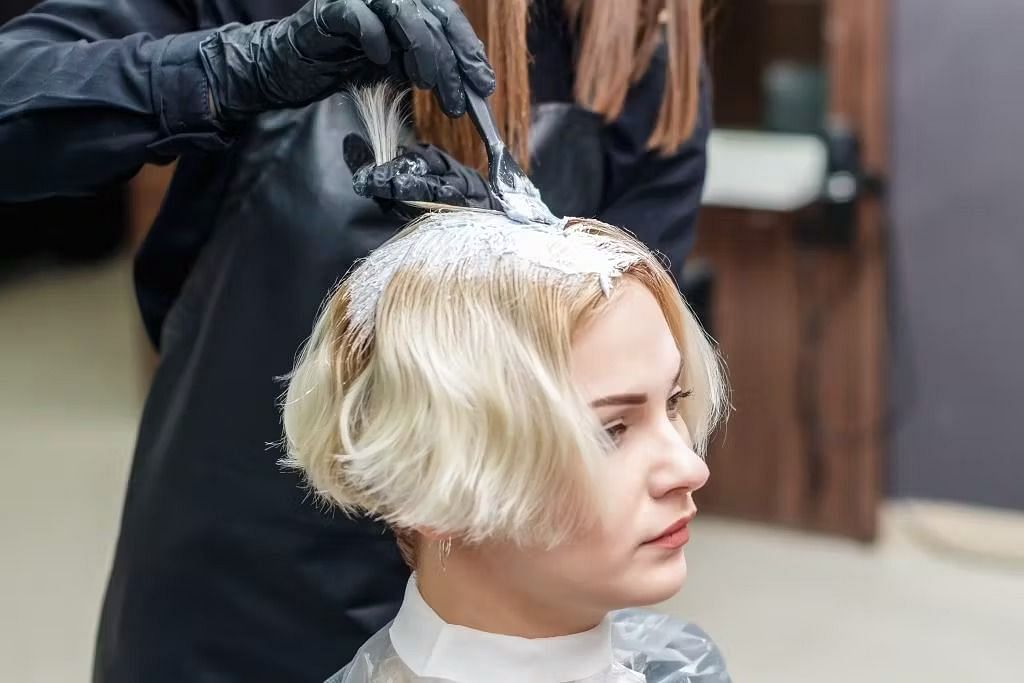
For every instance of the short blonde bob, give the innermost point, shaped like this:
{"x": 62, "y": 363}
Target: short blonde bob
{"x": 457, "y": 413}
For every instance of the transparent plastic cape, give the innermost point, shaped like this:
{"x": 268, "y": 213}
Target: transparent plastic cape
{"x": 649, "y": 648}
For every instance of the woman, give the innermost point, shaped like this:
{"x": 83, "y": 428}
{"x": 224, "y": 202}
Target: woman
{"x": 526, "y": 407}
{"x": 223, "y": 570}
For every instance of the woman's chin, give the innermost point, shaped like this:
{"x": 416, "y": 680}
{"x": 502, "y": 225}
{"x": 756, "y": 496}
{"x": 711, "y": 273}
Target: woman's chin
{"x": 660, "y": 582}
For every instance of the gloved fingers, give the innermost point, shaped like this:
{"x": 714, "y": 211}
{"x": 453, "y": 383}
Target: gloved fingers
{"x": 429, "y": 188}
{"x": 408, "y": 27}
{"x": 410, "y": 162}
{"x": 445, "y": 78}
{"x": 446, "y": 194}
{"x": 466, "y": 182}
{"x": 421, "y": 173}
{"x": 379, "y": 181}
{"x": 470, "y": 56}
{"x": 360, "y": 182}
{"x": 437, "y": 46}
{"x": 438, "y": 163}
{"x": 449, "y": 88}
{"x": 354, "y": 21}
{"x": 427, "y": 55}
{"x": 408, "y": 187}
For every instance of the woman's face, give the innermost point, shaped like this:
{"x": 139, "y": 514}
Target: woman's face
{"x": 627, "y": 364}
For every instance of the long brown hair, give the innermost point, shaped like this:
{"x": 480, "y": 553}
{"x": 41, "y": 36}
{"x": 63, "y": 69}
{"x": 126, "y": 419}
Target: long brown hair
{"x": 616, "y": 40}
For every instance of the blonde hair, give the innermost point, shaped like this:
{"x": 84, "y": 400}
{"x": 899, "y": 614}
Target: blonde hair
{"x": 457, "y": 413}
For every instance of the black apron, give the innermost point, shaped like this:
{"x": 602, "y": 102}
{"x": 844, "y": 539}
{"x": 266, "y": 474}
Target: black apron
{"x": 226, "y": 569}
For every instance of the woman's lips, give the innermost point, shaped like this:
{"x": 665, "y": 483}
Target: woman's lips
{"x": 676, "y": 536}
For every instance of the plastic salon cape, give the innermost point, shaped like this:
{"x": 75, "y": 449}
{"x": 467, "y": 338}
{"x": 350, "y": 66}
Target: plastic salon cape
{"x": 631, "y": 646}
{"x": 647, "y": 648}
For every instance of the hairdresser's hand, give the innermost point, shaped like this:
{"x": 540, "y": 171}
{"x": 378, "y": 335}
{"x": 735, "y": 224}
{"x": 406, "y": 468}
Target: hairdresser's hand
{"x": 330, "y": 44}
{"x": 421, "y": 173}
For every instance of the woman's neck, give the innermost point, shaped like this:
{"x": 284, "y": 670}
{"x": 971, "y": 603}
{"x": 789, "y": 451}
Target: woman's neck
{"x": 464, "y": 594}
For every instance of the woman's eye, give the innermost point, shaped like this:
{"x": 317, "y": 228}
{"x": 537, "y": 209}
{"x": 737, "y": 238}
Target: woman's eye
{"x": 615, "y": 431}
{"x": 674, "y": 401}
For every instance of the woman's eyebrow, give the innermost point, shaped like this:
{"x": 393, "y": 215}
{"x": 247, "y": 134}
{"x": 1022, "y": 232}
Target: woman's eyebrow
{"x": 620, "y": 400}
{"x": 633, "y": 399}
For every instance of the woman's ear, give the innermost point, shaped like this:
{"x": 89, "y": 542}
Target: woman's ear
{"x": 407, "y": 546}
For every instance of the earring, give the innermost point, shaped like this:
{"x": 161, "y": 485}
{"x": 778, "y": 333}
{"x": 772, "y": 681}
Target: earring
{"x": 444, "y": 549}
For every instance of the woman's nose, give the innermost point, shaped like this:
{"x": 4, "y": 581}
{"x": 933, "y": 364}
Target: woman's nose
{"x": 677, "y": 466}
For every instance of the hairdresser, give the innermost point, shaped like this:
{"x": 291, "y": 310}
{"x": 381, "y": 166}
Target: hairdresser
{"x": 225, "y": 570}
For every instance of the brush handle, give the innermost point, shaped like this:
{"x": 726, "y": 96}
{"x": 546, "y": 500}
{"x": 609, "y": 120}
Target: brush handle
{"x": 483, "y": 118}
{"x": 518, "y": 197}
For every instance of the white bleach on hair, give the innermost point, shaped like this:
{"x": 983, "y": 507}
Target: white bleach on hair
{"x": 381, "y": 111}
{"x": 473, "y": 244}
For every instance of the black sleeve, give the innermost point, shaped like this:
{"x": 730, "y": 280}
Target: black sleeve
{"x": 92, "y": 89}
{"x": 653, "y": 195}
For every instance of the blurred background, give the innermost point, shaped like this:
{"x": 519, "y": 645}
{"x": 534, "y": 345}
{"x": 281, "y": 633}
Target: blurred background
{"x": 858, "y": 261}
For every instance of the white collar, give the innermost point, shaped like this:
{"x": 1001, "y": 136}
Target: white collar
{"x": 432, "y": 648}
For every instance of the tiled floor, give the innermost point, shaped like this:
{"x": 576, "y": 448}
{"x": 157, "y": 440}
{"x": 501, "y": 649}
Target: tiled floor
{"x": 785, "y": 607}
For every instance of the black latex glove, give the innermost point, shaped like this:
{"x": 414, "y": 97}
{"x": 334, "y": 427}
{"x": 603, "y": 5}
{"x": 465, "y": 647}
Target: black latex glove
{"x": 421, "y": 173}
{"x": 329, "y": 44}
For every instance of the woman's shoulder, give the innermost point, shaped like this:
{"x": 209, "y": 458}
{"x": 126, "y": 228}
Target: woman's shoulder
{"x": 665, "y": 648}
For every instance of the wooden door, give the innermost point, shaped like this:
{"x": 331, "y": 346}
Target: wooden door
{"x": 802, "y": 327}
